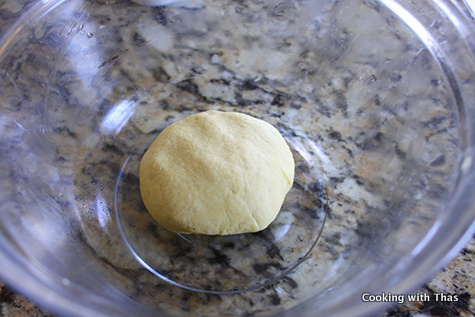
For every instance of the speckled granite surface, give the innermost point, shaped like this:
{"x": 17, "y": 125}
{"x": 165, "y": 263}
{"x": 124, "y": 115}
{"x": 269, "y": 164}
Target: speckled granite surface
{"x": 373, "y": 124}
{"x": 458, "y": 278}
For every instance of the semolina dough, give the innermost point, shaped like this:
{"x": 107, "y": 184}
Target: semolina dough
{"x": 216, "y": 173}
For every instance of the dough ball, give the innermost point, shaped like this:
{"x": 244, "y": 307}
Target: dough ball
{"x": 216, "y": 173}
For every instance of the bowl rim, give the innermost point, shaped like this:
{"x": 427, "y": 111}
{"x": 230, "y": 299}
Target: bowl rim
{"x": 431, "y": 254}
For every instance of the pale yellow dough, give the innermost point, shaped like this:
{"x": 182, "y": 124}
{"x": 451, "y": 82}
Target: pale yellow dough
{"x": 216, "y": 173}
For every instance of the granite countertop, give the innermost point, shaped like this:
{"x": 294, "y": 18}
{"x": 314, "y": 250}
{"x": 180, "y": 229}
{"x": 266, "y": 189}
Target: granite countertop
{"x": 364, "y": 115}
{"x": 457, "y": 279}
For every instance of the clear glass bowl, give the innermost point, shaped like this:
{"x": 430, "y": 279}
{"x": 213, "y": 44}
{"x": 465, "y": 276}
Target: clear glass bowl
{"x": 375, "y": 99}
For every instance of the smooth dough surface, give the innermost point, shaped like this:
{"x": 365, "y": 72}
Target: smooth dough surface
{"x": 216, "y": 173}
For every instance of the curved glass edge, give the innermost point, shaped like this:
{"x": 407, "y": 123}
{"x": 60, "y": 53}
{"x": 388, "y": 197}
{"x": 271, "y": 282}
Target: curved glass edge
{"x": 432, "y": 254}
{"x": 438, "y": 248}
{"x": 469, "y": 7}
{"x": 272, "y": 280}
{"x": 34, "y": 12}
{"x": 416, "y": 264}
{"x": 21, "y": 279}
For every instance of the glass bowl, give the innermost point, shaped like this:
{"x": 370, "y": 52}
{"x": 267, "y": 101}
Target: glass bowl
{"x": 375, "y": 99}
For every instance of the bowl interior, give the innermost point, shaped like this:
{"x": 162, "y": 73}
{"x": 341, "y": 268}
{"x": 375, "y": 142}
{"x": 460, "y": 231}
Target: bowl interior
{"x": 358, "y": 91}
